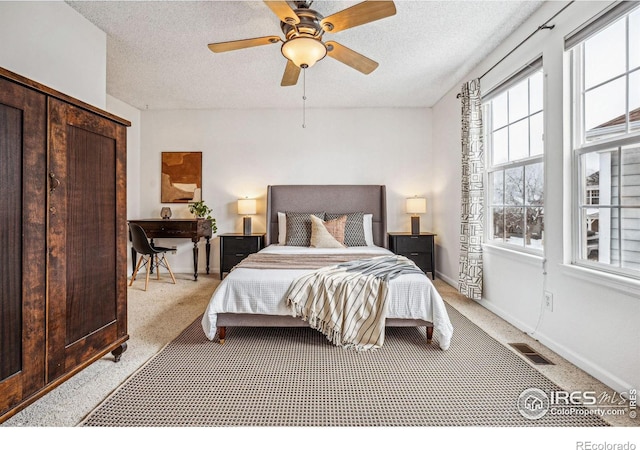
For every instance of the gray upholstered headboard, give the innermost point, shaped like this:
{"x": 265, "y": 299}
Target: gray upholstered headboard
{"x": 329, "y": 198}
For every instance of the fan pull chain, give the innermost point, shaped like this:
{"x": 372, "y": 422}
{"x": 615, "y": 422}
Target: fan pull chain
{"x": 304, "y": 97}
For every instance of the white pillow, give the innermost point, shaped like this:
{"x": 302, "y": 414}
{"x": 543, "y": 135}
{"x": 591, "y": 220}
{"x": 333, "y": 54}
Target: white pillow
{"x": 282, "y": 228}
{"x": 367, "y": 222}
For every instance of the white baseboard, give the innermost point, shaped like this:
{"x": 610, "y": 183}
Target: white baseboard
{"x": 446, "y": 279}
{"x": 588, "y": 366}
{"x": 574, "y": 358}
{"x": 202, "y": 270}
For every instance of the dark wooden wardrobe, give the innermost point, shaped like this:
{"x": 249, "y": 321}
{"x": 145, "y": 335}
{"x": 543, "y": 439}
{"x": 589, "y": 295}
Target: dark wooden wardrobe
{"x": 63, "y": 239}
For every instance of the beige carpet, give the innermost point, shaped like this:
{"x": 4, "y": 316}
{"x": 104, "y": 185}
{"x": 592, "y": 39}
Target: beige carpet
{"x": 295, "y": 377}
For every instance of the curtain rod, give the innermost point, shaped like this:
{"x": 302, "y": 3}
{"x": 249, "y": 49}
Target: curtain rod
{"x": 544, "y": 26}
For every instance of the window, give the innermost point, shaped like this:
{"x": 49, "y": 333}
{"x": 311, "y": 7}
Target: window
{"x": 606, "y": 141}
{"x": 514, "y": 119}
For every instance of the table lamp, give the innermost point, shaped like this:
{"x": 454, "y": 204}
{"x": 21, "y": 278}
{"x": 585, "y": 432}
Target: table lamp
{"x": 246, "y": 207}
{"x": 416, "y": 205}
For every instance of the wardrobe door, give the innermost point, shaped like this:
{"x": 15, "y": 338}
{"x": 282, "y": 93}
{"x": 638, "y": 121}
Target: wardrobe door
{"x": 22, "y": 242}
{"x": 87, "y": 237}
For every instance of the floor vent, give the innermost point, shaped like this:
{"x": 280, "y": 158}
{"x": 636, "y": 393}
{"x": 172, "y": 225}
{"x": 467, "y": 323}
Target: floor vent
{"x": 530, "y": 354}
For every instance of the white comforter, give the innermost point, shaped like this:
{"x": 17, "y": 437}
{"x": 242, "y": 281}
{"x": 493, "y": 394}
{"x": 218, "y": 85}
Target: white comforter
{"x": 262, "y": 291}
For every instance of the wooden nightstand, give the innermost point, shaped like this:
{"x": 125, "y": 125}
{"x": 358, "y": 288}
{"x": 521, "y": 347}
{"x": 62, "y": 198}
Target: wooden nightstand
{"x": 234, "y": 247}
{"x": 420, "y": 248}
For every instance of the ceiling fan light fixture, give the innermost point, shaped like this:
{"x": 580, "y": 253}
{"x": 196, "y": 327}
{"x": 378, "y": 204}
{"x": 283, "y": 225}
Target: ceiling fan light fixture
{"x": 304, "y": 51}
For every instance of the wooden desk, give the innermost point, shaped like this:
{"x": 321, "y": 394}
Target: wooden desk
{"x": 193, "y": 229}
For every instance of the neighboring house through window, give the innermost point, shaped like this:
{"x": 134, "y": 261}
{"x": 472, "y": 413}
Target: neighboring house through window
{"x": 605, "y": 57}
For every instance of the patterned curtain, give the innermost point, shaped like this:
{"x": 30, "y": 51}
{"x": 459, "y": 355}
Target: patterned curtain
{"x": 472, "y": 216}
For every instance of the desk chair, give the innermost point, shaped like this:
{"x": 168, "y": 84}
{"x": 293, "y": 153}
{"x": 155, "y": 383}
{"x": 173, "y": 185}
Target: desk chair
{"x": 141, "y": 244}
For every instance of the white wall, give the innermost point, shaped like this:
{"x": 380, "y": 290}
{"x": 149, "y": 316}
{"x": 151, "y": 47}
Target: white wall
{"x": 594, "y": 319}
{"x": 446, "y": 186}
{"x": 51, "y": 43}
{"x": 244, "y": 151}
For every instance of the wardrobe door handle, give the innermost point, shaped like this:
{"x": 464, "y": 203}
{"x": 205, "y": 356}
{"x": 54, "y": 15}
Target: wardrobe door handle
{"x": 53, "y": 182}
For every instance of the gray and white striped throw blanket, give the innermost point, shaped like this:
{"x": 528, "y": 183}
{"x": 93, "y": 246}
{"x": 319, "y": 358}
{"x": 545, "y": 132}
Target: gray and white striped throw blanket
{"x": 347, "y": 302}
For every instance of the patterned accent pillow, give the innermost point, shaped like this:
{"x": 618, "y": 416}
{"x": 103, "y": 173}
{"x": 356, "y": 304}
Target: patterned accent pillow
{"x": 327, "y": 234}
{"x": 353, "y": 229}
{"x": 299, "y": 227}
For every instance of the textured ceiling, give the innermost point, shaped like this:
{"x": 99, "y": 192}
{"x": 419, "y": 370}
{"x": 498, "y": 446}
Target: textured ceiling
{"x": 157, "y": 54}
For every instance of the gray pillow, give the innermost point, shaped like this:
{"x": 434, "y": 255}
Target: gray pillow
{"x": 353, "y": 229}
{"x": 299, "y": 227}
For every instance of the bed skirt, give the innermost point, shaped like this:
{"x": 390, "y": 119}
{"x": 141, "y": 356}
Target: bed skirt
{"x": 264, "y": 320}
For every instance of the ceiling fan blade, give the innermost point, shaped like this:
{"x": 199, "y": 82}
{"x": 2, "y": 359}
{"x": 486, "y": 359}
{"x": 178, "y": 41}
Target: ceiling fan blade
{"x": 283, "y": 11}
{"x": 351, "y": 58}
{"x": 291, "y": 74}
{"x": 243, "y": 43}
{"x": 359, "y": 14}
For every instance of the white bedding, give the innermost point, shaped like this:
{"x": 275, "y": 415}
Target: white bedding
{"x": 262, "y": 291}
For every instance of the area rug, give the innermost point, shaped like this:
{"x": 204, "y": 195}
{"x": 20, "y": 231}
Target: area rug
{"x": 296, "y": 377}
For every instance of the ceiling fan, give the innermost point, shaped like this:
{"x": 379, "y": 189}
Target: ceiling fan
{"x": 303, "y": 29}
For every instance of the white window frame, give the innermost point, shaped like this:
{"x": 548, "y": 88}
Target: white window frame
{"x": 526, "y": 72}
{"x": 580, "y": 146}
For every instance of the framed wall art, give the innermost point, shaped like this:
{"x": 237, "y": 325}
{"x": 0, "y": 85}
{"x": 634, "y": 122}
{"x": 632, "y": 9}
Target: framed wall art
{"x": 181, "y": 177}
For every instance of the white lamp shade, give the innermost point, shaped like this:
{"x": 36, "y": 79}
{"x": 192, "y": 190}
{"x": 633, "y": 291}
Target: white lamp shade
{"x": 246, "y": 206}
{"x": 304, "y": 51}
{"x": 416, "y": 205}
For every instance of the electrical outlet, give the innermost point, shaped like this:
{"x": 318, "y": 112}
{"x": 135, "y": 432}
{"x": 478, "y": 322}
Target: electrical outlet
{"x": 548, "y": 300}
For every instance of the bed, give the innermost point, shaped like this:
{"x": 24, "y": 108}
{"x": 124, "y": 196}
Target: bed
{"x": 249, "y": 297}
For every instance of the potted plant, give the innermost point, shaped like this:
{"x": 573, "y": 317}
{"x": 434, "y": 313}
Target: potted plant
{"x": 200, "y": 209}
